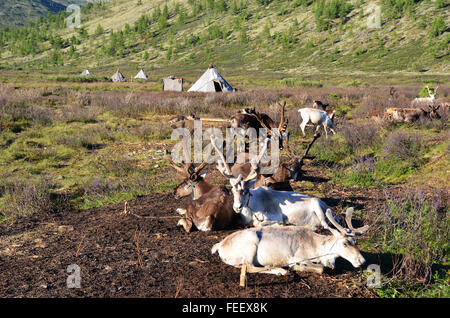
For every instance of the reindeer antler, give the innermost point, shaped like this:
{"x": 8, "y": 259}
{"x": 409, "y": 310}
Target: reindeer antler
{"x": 222, "y": 165}
{"x": 351, "y": 231}
{"x": 283, "y": 124}
{"x": 348, "y": 219}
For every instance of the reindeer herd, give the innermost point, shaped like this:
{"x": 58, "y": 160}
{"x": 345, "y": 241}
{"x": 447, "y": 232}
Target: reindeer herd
{"x": 417, "y": 112}
{"x": 282, "y": 225}
{"x": 284, "y": 228}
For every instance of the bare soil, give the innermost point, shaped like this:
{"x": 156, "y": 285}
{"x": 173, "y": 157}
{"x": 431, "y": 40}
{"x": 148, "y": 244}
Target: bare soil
{"x": 149, "y": 256}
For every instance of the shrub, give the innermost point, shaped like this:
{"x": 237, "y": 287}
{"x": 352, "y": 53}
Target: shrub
{"x": 360, "y": 135}
{"x": 405, "y": 146}
{"x": 415, "y": 230}
{"x": 22, "y": 197}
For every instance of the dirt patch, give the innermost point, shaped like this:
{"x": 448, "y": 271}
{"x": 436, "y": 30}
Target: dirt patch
{"x": 127, "y": 256}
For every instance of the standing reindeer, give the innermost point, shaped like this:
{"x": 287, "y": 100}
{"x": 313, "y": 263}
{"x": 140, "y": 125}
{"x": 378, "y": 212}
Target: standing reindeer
{"x": 269, "y": 249}
{"x": 317, "y": 117}
{"x": 210, "y": 207}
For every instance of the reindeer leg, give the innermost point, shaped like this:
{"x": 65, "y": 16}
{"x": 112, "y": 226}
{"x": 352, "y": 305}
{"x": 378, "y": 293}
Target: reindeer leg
{"x": 302, "y": 126}
{"x": 308, "y": 267}
{"x": 186, "y": 224}
{"x": 181, "y": 211}
{"x": 266, "y": 270}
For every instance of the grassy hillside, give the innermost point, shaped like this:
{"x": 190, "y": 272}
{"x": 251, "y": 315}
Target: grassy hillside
{"x": 252, "y": 41}
{"x": 19, "y": 12}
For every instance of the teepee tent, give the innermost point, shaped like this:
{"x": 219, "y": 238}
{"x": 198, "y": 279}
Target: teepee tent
{"x": 211, "y": 81}
{"x": 86, "y": 73}
{"x": 173, "y": 83}
{"x": 118, "y": 77}
{"x": 141, "y": 75}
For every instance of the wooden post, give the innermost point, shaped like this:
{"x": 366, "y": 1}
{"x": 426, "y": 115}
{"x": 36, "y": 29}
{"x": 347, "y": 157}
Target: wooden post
{"x": 243, "y": 274}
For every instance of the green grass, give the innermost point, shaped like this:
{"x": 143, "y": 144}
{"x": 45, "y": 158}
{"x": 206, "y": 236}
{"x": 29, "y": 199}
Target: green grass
{"x": 312, "y": 58}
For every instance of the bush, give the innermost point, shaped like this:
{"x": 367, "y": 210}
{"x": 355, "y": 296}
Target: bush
{"x": 22, "y": 197}
{"x": 405, "y": 146}
{"x": 415, "y": 230}
{"x": 360, "y": 135}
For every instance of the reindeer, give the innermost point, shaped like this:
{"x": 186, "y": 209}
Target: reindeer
{"x": 249, "y": 118}
{"x": 319, "y": 105}
{"x": 269, "y": 249}
{"x": 317, "y": 117}
{"x": 410, "y": 115}
{"x": 265, "y": 206}
{"x": 280, "y": 179}
{"x": 425, "y": 100}
{"x": 209, "y": 208}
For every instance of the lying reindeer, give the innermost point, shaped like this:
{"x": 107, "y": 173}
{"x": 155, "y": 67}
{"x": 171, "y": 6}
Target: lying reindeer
{"x": 269, "y": 249}
{"x": 410, "y": 115}
{"x": 419, "y": 101}
{"x": 280, "y": 180}
{"x": 265, "y": 206}
{"x": 210, "y": 206}
{"x": 317, "y": 117}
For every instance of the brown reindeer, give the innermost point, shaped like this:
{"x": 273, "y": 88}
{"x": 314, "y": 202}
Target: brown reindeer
{"x": 250, "y": 118}
{"x": 210, "y": 207}
{"x": 410, "y": 115}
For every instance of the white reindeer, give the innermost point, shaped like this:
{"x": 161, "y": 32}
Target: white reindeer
{"x": 317, "y": 117}
{"x": 425, "y": 100}
{"x": 269, "y": 249}
{"x": 265, "y": 206}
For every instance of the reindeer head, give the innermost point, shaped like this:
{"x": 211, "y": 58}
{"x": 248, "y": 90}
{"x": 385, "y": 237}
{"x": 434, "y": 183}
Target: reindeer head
{"x": 318, "y": 104}
{"x": 240, "y": 186}
{"x": 191, "y": 176}
{"x": 433, "y": 112}
{"x": 432, "y": 95}
{"x": 345, "y": 243}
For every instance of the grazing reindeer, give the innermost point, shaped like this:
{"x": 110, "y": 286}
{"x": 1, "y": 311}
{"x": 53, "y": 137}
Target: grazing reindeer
{"x": 269, "y": 249}
{"x": 425, "y": 100}
{"x": 264, "y": 206}
{"x": 410, "y": 115}
{"x": 209, "y": 208}
{"x": 319, "y": 105}
{"x": 317, "y": 117}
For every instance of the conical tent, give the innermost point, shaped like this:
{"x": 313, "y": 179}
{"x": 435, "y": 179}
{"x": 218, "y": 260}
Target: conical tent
{"x": 211, "y": 81}
{"x": 141, "y": 75}
{"x": 118, "y": 77}
{"x": 86, "y": 73}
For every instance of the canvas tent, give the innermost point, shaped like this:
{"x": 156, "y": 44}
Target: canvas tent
{"x": 118, "y": 77}
{"x": 173, "y": 83}
{"x": 211, "y": 81}
{"x": 141, "y": 75}
{"x": 86, "y": 73}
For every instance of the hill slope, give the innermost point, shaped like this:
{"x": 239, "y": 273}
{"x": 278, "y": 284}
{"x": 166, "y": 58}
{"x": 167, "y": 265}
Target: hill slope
{"x": 294, "y": 38}
{"x": 19, "y": 12}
